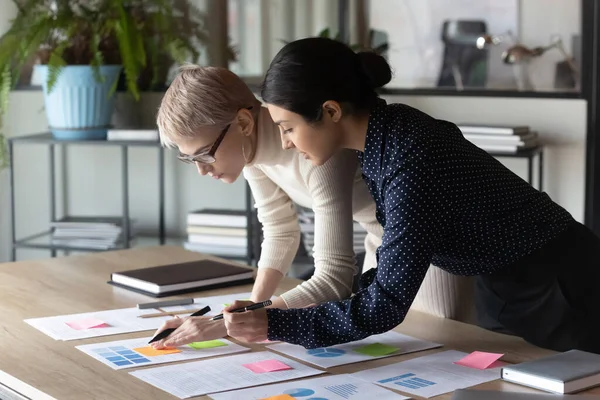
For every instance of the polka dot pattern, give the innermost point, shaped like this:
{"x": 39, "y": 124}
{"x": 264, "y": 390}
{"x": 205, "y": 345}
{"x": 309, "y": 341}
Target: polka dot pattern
{"x": 441, "y": 201}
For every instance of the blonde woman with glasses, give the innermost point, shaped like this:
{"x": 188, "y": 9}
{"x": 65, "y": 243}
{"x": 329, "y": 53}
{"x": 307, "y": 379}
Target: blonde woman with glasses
{"x": 216, "y": 123}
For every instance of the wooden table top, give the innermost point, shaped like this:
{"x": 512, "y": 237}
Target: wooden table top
{"x": 43, "y": 368}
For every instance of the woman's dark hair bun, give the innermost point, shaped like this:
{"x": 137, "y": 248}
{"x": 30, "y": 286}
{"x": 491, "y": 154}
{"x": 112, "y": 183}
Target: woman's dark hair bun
{"x": 376, "y": 68}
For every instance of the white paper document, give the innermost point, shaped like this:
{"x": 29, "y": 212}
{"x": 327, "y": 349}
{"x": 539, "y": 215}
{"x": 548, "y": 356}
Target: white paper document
{"x": 377, "y": 346}
{"x": 331, "y": 387}
{"x": 97, "y": 323}
{"x": 124, "y": 320}
{"x": 430, "y": 375}
{"x": 221, "y": 374}
{"x": 216, "y": 303}
{"x": 132, "y": 353}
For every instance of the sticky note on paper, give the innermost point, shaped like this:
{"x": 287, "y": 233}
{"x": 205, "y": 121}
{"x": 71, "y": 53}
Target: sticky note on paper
{"x": 376, "y": 349}
{"x": 267, "y": 366}
{"x": 209, "y": 344}
{"x": 479, "y": 360}
{"x": 87, "y": 323}
{"x": 279, "y": 397}
{"x": 152, "y": 352}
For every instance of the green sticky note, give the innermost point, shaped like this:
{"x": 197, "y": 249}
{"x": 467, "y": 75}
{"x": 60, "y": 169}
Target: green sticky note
{"x": 209, "y": 344}
{"x": 376, "y": 349}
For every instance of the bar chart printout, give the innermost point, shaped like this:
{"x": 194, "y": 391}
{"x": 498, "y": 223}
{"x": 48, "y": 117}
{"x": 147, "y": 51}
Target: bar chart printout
{"x": 331, "y": 387}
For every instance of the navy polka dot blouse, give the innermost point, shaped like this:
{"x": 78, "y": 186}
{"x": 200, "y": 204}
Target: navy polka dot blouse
{"x": 441, "y": 201}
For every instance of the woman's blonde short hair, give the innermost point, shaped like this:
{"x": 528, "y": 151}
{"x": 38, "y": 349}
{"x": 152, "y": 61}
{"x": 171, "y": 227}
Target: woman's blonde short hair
{"x": 200, "y": 97}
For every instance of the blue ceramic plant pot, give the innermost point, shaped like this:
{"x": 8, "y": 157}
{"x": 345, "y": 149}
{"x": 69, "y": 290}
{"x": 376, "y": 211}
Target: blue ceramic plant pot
{"x": 79, "y": 107}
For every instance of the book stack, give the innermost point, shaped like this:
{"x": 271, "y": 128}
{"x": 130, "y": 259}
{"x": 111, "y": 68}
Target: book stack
{"x": 222, "y": 233}
{"x": 500, "y": 139}
{"x": 306, "y": 218}
{"x": 100, "y": 233}
{"x": 150, "y": 135}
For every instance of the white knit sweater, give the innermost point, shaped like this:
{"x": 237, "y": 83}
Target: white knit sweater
{"x": 279, "y": 178}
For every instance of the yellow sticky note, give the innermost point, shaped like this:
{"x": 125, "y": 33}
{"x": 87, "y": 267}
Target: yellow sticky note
{"x": 280, "y": 397}
{"x": 209, "y": 344}
{"x": 152, "y": 352}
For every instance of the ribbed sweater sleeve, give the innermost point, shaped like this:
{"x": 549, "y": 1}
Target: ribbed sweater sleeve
{"x": 331, "y": 189}
{"x": 279, "y": 219}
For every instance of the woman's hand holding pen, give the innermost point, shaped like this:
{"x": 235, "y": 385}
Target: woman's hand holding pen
{"x": 192, "y": 329}
{"x": 247, "y": 326}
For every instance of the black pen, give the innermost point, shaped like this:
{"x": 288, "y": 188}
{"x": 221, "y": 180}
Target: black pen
{"x": 254, "y": 306}
{"x": 163, "y": 334}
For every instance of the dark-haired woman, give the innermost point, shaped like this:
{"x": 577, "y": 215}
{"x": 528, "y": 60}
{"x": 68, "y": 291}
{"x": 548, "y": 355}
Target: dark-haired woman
{"x": 441, "y": 200}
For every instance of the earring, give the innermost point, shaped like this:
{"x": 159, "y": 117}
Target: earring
{"x": 244, "y": 154}
{"x": 252, "y": 150}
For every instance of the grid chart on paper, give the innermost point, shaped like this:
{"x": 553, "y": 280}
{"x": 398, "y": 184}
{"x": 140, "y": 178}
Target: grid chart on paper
{"x": 410, "y": 381}
{"x": 346, "y": 390}
{"x": 120, "y": 356}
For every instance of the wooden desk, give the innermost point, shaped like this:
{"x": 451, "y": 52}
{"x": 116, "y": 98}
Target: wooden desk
{"x": 39, "y": 367}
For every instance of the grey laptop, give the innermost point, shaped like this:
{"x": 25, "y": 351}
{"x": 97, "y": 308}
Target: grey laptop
{"x": 472, "y": 394}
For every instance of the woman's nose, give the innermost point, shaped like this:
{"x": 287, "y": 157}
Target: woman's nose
{"x": 286, "y": 143}
{"x": 203, "y": 169}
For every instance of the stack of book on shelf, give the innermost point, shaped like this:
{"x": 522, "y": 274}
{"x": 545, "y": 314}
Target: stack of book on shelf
{"x": 500, "y": 139}
{"x": 150, "y": 135}
{"x": 306, "y": 218}
{"x": 219, "y": 232}
{"x": 100, "y": 233}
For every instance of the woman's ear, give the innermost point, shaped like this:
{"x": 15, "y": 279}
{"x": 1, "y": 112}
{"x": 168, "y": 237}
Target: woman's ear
{"x": 333, "y": 109}
{"x": 246, "y": 121}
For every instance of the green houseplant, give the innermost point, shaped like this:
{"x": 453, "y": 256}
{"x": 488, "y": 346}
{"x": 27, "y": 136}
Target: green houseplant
{"x": 87, "y": 44}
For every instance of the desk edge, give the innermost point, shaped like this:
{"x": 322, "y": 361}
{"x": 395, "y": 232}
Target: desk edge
{"x": 20, "y": 388}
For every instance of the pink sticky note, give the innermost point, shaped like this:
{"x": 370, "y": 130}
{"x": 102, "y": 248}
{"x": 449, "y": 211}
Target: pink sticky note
{"x": 266, "y": 366}
{"x": 86, "y": 323}
{"x": 480, "y": 360}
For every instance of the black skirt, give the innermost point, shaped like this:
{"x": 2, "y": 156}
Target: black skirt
{"x": 551, "y": 298}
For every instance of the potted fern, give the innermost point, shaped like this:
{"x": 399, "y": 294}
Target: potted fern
{"x": 83, "y": 47}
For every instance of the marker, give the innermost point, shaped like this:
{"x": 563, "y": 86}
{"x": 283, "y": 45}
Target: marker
{"x": 254, "y": 306}
{"x": 163, "y": 334}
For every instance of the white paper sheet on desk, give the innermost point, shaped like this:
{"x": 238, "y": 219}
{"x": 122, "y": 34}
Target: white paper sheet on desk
{"x": 124, "y": 320}
{"x": 430, "y": 375}
{"x": 216, "y": 303}
{"x": 333, "y": 387}
{"x": 121, "y": 354}
{"x": 346, "y": 353}
{"x": 220, "y": 374}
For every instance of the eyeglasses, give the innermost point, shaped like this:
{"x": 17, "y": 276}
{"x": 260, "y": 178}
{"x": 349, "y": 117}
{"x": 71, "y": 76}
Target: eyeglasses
{"x": 209, "y": 156}
{"x": 205, "y": 157}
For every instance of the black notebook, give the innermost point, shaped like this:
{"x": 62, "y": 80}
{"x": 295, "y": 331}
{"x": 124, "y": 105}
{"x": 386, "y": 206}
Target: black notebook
{"x": 172, "y": 279}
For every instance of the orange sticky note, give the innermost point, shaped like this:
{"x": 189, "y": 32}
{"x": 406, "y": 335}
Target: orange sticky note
{"x": 280, "y": 397}
{"x": 267, "y": 366}
{"x": 152, "y": 352}
{"x": 479, "y": 360}
{"x": 86, "y": 323}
